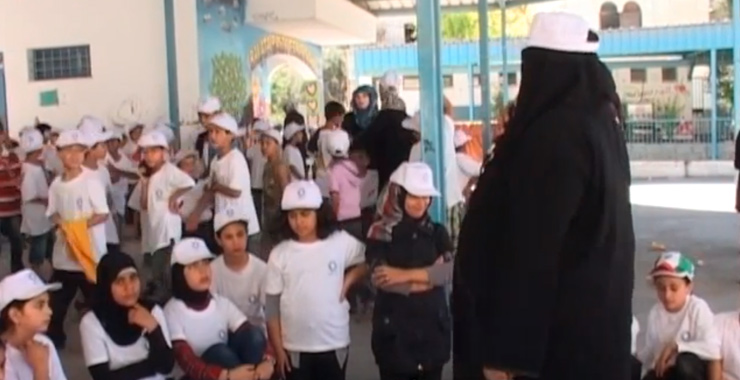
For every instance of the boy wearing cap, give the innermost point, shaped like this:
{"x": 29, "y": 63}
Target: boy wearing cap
{"x": 35, "y": 195}
{"x": 295, "y": 135}
{"x": 160, "y": 189}
{"x": 94, "y": 162}
{"x": 681, "y": 341}
{"x": 123, "y": 173}
{"x": 468, "y": 168}
{"x": 275, "y": 178}
{"x": 344, "y": 184}
{"x": 75, "y": 196}
{"x": 237, "y": 274}
{"x": 257, "y": 162}
{"x": 187, "y": 161}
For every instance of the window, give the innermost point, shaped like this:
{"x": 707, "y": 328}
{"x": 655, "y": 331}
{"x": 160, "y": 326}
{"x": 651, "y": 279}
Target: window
{"x": 638, "y": 75}
{"x": 669, "y": 74}
{"x": 609, "y": 16}
{"x": 60, "y": 63}
{"x": 512, "y": 79}
{"x": 447, "y": 81}
{"x": 631, "y": 15}
{"x": 411, "y": 82}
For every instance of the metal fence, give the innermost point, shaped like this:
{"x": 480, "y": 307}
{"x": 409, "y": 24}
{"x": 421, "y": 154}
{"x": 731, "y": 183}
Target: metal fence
{"x": 680, "y": 139}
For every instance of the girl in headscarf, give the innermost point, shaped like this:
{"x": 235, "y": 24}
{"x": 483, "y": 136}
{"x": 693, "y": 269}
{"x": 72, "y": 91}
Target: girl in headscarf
{"x": 412, "y": 260}
{"x": 124, "y": 337}
{"x": 364, "y": 109}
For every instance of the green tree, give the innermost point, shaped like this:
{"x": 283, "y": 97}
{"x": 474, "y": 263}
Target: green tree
{"x": 721, "y": 10}
{"x": 285, "y": 88}
{"x": 464, "y": 26}
{"x": 229, "y": 82}
{"x": 726, "y": 84}
{"x": 335, "y": 76}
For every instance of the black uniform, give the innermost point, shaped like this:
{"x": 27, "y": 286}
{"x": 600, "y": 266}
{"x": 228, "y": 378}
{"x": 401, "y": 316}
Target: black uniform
{"x": 411, "y": 336}
{"x": 544, "y": 276}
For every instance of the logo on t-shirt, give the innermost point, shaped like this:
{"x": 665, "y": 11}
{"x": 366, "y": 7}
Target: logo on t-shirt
{"x": 160, "y": 194}
{"x": 222, "y": 334}
{"x": 686, "y": 336}
{"x": 332, "y": 267}
{"x": 79, "y": 204}
{"x": 253, "y": 299}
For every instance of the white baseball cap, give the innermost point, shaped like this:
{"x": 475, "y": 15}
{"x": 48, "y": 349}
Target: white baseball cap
{"x": 31, "y": 140}
{"x": 391, "y": 79}
{"x": 23, "y": 286}
{"x": 209, "y": 105}
{"x": 166, "y": 131}
{"x": 261, "y": 126}
{"x": 273, "y": 134}
{"x": 183, "y": 154}
{"x": 97, "y": 137}
{"x": 291, "y": 129}
{"x": 338, "y": 143}
{"x": 72, "y": 137}
{"x": 89, "y": 124}
{"x": 226, "y": 217}
{"x": 116, "y": 133}
{"x": 224, "y": 121}
{"x": 301, "y": 195}
{"x": 153, "y": 139}
{"x": 560, "y": 31}
{"x": 461, "y": 138}
{"x": 190, "y": 250}
{"x": 417, "y": 178}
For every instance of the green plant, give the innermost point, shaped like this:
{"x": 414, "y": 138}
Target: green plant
{"x": 285, "y": 88}
{"x": 229, "y": 82}
{"x": 335, "y": 76}
{"x": 726, "y": 85}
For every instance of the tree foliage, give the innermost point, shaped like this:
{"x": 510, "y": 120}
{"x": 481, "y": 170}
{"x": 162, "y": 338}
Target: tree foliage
{"x": 285, "y": 89}
{"x": 464, "y": 26}
{"x": 229, "y": 82}
{"x": 335, "y": 76}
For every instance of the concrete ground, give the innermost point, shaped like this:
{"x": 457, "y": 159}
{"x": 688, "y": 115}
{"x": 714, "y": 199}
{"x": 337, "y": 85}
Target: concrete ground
{"x": 696, "y": 218}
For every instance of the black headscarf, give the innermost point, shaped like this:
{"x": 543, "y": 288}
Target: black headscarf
{"x": 112, "y": 316}
{"x": 182, "y": 291}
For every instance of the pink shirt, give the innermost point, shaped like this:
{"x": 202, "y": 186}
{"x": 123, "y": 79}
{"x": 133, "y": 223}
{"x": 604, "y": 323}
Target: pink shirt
{"x": 345, "y": 180}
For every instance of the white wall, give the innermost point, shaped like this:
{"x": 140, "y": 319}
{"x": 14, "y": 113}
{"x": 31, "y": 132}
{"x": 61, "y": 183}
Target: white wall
{"x": 128, "y": 59}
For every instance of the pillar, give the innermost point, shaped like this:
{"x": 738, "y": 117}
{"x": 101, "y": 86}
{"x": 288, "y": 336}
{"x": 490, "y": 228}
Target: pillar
{"x": 485, "y": 75}
{"x": 172, "y": 88}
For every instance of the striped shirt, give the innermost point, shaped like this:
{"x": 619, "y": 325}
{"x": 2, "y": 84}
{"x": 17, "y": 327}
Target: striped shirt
{"x": 10, "y": 193}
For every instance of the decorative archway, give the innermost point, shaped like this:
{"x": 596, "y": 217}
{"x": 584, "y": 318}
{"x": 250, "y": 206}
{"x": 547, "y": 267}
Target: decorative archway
{"x": 609, "y": 16}
{"x": 631, "y": 15}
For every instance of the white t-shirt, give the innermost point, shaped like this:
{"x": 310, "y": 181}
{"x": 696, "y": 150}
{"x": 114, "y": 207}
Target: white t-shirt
{"x": 244, "y": 288}
{"x": 292, "y": 157}
{"x": 467, "y": 168}
{"x": 34, "y": 186}
{"x": 369, "y": 189}
{"x": 453, "y": 193}
{"x": 635, "y": 332}
{"x": 16, "y": 367}
{"x": 728, "y": 328}
{"x": 309, "y": 278}
{"x": 201, "y": 329}
{"x": 111, "y": 233}
{"x": 164, "y": 226}
{"x": 98, "y": 348}
{"x": 76, "y": 199}
{"x": 120, "y": 187}
{"x": 52, "y": 162}
{"x": 232, "y": 171}
{"x": 190, "y": 200}
{"x": 256, "y": 165}
{"x": 692, "y": 328}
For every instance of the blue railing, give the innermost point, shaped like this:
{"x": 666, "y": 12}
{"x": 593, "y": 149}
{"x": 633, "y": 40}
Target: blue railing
{"x": 680, "y": 139}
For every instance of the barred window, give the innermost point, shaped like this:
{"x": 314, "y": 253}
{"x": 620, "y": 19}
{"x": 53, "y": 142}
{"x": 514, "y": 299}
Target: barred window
{"x": 60, "y": 63}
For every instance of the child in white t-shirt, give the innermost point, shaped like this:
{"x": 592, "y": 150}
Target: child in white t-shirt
{"x": 76, "y": 202}
{"x": 681, "y": 341}
{"x": 257, "y": 162}
{"x": 94, "y": 162}
{"x": 158, "y": 193}
{"x": 212, "y": 339}
{"x": 308, "y": 276}
{"x": 728, "y": 328}
{"x": 295, "y": 135}
{"x": 237, "y": 274}
{"x": 35, "y": 196}
{"x": 467, "y": 166}
{"x": 188, "y": 162}
{"x": 123, "y": 173}
{"x": 24, "y": 306}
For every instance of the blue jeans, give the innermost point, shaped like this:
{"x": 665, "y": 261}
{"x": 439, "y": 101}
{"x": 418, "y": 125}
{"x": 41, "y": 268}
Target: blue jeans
{"x": 246, "y": 346}
{"x": 41, "y": 247}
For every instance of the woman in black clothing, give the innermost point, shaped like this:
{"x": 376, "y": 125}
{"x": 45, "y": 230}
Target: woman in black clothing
{"x": 124, "y": 337}
{"x": 364, "y": 110}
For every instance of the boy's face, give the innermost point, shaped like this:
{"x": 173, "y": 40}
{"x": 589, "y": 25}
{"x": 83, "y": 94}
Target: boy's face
{"x": 233, "y": 238}
{"x": 72, "y": 156}
{"x": 99, "y": 151}
{"x": 219, "y": 138}
{"x": 188, "y": 165}
{"x": 34, "y": 316}
{"x": 672, "y": 292}
{"x": 136, "y": 132}
{"x": 114, "y": 145}
{"x": 154, "y": 156}
{"x": 269, "y": 146}
{"x": 336, "y": 121}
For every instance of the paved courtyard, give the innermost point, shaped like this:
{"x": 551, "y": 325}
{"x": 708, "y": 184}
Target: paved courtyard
{"x": 696, "y": 218}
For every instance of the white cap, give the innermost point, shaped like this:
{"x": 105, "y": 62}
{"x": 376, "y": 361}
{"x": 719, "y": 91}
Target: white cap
{"x": 301, "y": 195}
{"x": 338, "y": 143}
{"x": 72, "y": 137}
{"x": 183, "y": 154}
{"x": 226, "y": 217}
{"x": 291, "y": 129}
{"x": 461, "y": 138}
{"x": 190, "y": 250}
{"x": 274, "y": 134}
{"x": 391, "y": 79}
{"x": 26, "y": 129}
{"x": 561, "y": 31}
{"x": 23, "y": 286}
{"x": 209, "y": 105}
{"x": 224, "y": 121}
{"x": 261, "y": 126}
{"x": 417, "y": 178}
{"x": 153, "y": 139}
{"x": 116, "y": 133}
{"x": 90, "y": 125}
{"x": 166, "y": 131}
{"x": 31, "y": 140}
{"x": 413, "y": 123}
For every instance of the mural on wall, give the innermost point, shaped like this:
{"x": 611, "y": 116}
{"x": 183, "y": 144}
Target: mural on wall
{"x": 240, "y": 63}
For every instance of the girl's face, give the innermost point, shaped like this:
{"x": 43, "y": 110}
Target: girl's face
{"x": 126, "y": 288}
{"x": 219, "y": 137}
{"x": 362, "y": 100}
{"x": 416, "y": 206}
{"x": 198, "y": 275}
{"x": 303, "y": 223}
{"x": 233, "y": 238}
{"x": 34, "y": 315}
{"x": 135, "y": 133}
{"x": 672, "y": 292}
{"x": 114, "y": 145}
{"x": 72, "y": 156}
{"x": 99, "y": 151}
{"x": 269, "y": 146}
{"x": 188, "y": 166}
{"x": 154, "y": 156}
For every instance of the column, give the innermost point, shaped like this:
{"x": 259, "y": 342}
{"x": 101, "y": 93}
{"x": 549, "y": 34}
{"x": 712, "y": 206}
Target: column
{"x": 471, "y": 91}
{"x": 172, "y": 88}
{"x": 714, "y": 149}
{"x": 504, "y": 55}
{"x": 736, "y": 62}
{"x": 429, "y": 47}
{"x": 485, "y": 75}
